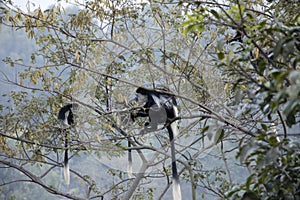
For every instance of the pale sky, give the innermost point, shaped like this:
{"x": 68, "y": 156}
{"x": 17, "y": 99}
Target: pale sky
{"x": 43, "y": 4}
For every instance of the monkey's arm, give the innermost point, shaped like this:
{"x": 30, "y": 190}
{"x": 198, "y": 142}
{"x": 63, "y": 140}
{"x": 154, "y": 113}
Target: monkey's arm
{"x": 142, "y": 112}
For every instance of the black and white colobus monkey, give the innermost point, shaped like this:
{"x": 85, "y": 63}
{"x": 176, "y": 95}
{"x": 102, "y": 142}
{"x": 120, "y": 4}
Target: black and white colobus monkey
{"x": 161, "y": 107}
{"x": 66, "y": 116}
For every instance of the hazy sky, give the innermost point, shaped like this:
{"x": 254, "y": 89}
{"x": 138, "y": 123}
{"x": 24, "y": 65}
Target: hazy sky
{"x": 43, "y": 4}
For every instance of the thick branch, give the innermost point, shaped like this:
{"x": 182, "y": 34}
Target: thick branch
{"x": 38, "y": 180}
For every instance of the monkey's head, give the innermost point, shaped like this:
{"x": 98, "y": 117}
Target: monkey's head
{"x": 66, "y": 113}
{"x": 141, "y": 95}
{"x": 142, "y": 91}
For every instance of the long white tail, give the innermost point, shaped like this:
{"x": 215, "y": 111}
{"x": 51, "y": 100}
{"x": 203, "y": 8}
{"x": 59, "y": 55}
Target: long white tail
{"x": 129, "y": 167}
{"x": 175, "y": 130}
{"x": 176, "y": 189}
{"x": 173, "y": 133}
{"x": 66, "y": 162}
{"x": 67, "y": 173}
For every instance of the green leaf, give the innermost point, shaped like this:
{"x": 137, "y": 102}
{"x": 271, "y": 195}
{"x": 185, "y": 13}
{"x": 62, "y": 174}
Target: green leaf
{"x": 279, "y": 75}
{"x": 221, "y": 55}
{"x": 219, "y": 135}
{"x": 261, "y": 68}
{"x": 193, "y": 24}
{"x": 250, "y": 17}
{"x": 264, "y": 127}
{"x": 215, "y": 14}
{"x": 249, "y": 181}
{"x": 289, "y": 111}
{"x": 193, "y": 28}
{"x": 204, "y": 129}
{"x": 234, "y": 8}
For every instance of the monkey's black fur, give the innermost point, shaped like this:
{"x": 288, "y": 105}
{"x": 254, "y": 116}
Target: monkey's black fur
{"x": 66, "y": 116}
{"x": 161, "y": 107}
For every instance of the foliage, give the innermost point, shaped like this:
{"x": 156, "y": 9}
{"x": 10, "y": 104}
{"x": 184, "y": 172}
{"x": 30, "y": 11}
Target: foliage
{"x": 263, "y": 56}
{"x": 233, "y": 67}
{"x": 258, "y": 53}
{"x": 275, "y": 168}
